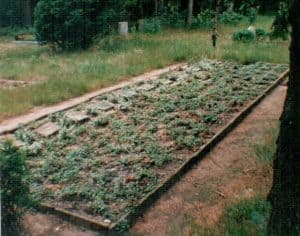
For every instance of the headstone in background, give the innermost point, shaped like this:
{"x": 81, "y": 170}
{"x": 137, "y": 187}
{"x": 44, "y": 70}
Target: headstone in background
{"x": 123, "y": 28}
{"x": 252, "y": 29}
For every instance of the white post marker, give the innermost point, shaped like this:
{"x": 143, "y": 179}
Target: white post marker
{"x": 123, "y": 28}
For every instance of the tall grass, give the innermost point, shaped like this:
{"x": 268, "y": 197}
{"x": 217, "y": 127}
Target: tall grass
{"x": 115, "y": 58}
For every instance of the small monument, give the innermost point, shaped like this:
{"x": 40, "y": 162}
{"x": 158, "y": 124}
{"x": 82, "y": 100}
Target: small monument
{"x": 252, "y": 29}
{"x": 123, "y": 28}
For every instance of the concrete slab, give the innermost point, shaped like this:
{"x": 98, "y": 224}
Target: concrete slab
{"x": 47, "y": 129}
{"x": 147, "y": 87}
{"x": 127, "y": 93}
{"x": 105, "y": 105}
{"x": 77, "y": 116}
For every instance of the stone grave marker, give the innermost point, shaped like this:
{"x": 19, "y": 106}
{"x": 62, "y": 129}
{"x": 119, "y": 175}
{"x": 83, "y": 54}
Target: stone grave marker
{"x": 123, "y": 28}
{"x": 166, "y": 81}
{"x": 47, "y": 129}
{"x": 105, "y": 105}
{"x": 147, "y": 87}
{"x": 127, "y": 93}
{"x": 77, "y": 116}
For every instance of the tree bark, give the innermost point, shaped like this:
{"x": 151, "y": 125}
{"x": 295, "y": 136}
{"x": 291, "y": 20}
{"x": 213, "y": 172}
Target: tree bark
{"x": 190, "y": 13}
{"x": 285, "y": 193}
{"x": 218, "y": 8}
{"x": 27, "y": 13}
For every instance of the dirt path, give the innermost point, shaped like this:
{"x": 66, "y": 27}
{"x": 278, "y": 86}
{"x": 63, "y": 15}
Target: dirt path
{"x": 228, "y": 174}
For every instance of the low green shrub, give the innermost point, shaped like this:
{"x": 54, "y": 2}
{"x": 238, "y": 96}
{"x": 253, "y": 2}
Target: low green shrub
{"x": 14, "y": 188}
{"x": 261, "y": 33}
{"x": 205, "y": 19}
{"x": 151, "y": 26}
{"x": 14, "y": 31}
{"x": 72, "y": 24}
{"x": 69, "y": 24}
{"x": 172, "y": 17}
{"x": 243, "y": 36}
{"x": 230, "y": 18}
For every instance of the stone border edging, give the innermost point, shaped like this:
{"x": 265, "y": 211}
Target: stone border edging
{"x": 10, "y": 125}
{"x": 151, "y": 197}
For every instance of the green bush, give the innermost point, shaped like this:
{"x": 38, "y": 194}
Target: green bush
{"x": 15, "y": 30}
{"x": 72, "y": 24}
{"x": 68, "y": 23}
{"x": 172, "y": 17}
{"x": 243, "y": 36}
{"x": 261, "y": 33}
{"x": 14, "y": 188}
{"x": 230, "y": 18}
{"x": 204, "y": 19}
{"x": 151, "y": 26}
{"x": 11, "y": 13}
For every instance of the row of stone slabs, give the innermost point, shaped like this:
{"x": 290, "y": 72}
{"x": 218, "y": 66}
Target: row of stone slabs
{"x": 48, "y": 129}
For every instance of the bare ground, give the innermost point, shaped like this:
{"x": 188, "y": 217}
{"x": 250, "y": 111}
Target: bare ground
{"x": 228, "y": 174}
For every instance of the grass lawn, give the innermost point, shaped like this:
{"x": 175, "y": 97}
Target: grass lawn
{"x": 66, "y": 75}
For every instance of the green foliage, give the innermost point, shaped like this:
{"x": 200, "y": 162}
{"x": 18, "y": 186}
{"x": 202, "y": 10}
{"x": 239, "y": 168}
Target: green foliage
{"x": 261, "y": 33}
{"x": 249, "y": 217}
{"x": 210, "y": 118}
{"x": 11, "y": 13}
{"x": 281, "y": 23}
{"x": 172, "y": 16}
{"x": 67, "y": 23}
{"x": 123, "y": 226}
{"x": 243, "y": 36}
{"x": 101, "y": 122}
{"x": 107, "y": 21}
{"x": 151, "y": 25}
{"x": 252, "y": 15}
{"x": 13, "y": 31}
{"x": 14, "y": 188}
{"x": 158, "y": 154}
{"x": 72, "y": 24}
{"x": 205, "y": 19}
{"x": 230, "y": 18}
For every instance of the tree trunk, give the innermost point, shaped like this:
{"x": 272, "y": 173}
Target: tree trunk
{"x": 218, "y": 8}
{"x": 27, "y": 13}
{"x": 156, "y": 7}
{"x": 285, "y": 193}
{"x": 161, "y": 7}
{"x": 190, "y": 13}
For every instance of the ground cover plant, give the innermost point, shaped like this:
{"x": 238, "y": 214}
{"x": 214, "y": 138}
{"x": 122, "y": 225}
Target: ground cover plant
{"x": 102, "y": 157}
{"x": 115, "y": 58}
